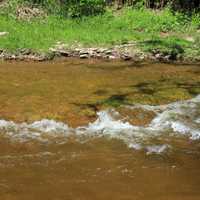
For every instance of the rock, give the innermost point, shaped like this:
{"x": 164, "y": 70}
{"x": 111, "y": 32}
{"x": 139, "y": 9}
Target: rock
{"x": 167, "y": 57}
{"x": 101, "y": 50}
{"x": 10, "y": 57}
{"x": 190, "y": 39}
{"x": 126, "y": 57}
{"x": 141, "y": 57}
{"x": 157, "y": 55}
{"x": 98, "y": 56}
{"x": 98, "y": 51}
{"x": 93, "y": 55}
{"x": 83, "y": 56}
{"x": 78, "y": 50}
{"x": 93, "y": 49}
{"x": 63, "y": 53}
{"x": 108, "y": 52}
{"x": 3, "y": 33}
{"x": 25, "y": 51}
{"x": 84, "y": 51}
{"x": 40, "y": 58}
{"x": 111, "y": 57}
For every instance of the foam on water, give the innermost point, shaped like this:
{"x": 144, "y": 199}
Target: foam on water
{"x": 37, "y": 130}
{"x": 49, "y": 126}
{"x": 179, "y": 118}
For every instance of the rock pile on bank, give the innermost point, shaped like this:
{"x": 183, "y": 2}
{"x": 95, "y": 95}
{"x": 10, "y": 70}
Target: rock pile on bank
{"x": 124, "y": 52}
{"x": 23, "y": 54}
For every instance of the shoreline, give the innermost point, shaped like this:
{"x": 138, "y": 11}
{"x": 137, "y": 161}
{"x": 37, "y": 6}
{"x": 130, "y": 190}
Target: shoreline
{"x": 116, "y": 53}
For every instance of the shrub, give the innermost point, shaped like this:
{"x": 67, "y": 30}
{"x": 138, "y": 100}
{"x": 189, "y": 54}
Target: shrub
{"x": 71, "y": 8}
{"x": 78, "y": 8}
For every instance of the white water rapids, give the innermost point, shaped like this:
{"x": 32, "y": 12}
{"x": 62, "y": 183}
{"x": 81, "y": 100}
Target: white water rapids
{"x": 179, "y": 119}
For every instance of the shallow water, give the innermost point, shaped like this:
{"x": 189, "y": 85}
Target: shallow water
{"x": 99, "y": 130}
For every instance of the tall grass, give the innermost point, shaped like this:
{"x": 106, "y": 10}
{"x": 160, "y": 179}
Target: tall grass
{"x": 102, "y": 30}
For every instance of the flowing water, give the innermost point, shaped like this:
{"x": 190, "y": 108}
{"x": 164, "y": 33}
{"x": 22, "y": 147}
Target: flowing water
{"x": 81, "y": 130}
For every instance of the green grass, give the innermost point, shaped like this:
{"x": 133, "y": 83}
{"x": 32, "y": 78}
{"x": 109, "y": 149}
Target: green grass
{"x": 143, "y": 26}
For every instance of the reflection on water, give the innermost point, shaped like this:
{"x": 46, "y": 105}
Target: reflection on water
{"x": 99, "y": 131}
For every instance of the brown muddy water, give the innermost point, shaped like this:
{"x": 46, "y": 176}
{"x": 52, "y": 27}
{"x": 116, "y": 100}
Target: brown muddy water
{"x": 93, "y": 130}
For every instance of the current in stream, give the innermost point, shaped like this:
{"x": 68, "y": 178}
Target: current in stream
{"x": 95, "y": 130}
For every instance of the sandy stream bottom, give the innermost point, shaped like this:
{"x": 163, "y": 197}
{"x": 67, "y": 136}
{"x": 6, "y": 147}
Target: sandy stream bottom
{"x": 60, "y": 140}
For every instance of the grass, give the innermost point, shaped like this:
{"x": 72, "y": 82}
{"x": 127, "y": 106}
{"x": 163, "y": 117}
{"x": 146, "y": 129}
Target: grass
{"x": 150, "y": 29}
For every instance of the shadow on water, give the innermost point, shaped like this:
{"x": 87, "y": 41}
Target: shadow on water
{"x": 152, "y": 87}
{"x": 100, "y": 92}
{"x": 91, "y": 106}
{"x": 192, "y": 88}
{"x": 112, "y": 101}
{"x": 146, "y": 88}
{"x": 155, "y": 89}
{"x": 115, "y": 100}
{"x": 121, "y": 66}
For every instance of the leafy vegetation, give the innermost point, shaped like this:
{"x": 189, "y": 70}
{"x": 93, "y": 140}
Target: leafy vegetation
{"x": 161, "y": 30}
{"x": 64, "y": 8}
{"x": 180, "y": 5}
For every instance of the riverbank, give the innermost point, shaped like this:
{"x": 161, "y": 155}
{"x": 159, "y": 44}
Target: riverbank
{"x": 138, "y": 35}
{"x": 116, "y": 53}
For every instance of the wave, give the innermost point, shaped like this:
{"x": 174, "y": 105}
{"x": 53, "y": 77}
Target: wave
{"x": 176, "y": 119}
